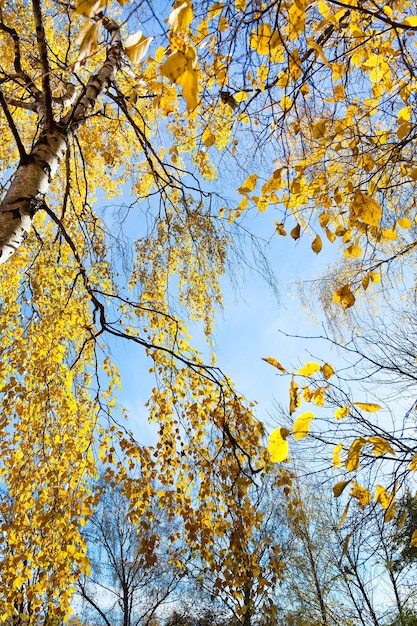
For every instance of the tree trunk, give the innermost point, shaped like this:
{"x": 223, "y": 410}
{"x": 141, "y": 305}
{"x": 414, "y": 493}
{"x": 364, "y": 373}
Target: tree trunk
{"x": 27, "y": 191}
{"x": 35, "y": 172}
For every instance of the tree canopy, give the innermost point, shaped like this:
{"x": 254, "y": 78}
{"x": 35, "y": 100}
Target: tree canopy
{"x": 117, "y": 118}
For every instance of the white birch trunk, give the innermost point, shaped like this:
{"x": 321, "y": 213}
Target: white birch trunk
{"x": 27, "y": 191}
{"x": 35, "y": 173}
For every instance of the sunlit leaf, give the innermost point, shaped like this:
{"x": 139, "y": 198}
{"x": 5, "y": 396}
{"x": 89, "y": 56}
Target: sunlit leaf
{"x": 272, "y": 361}
{"x": 278, "y": 445}
{"x": 338, "y": 488}
{"x": 136, "y": 46}
{"x": 249, "y": 184}
{"x": 337, "y": 463}
{"x": 342, "y": 412}
{"x": 309, "y": 369}
{"x": 366, "y": 209}
{"x": 380, "y": 446}
{"x": 302, "y": 425}
{"x": 181, "y": 16}
{"x": 368, "y": 406}
{"x": 344, "y": 296}
{"x": 327, "y": 370}
{"x": 361, "y": 494}
{"x": 352, "y": 461}
{"x": 294, "y": 397}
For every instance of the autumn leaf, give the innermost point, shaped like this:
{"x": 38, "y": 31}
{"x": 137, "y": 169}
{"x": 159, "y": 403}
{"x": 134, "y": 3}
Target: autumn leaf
{"x": 302, "y": 425}
{"x": 381, "y": 496}
{"x": 338, "y": 488}
{"x": 181, "y": 16}
{"x": 136, "y": 46}
{"x": 294, "y": 397}
{"x": 352, "y": 461}
{"x": 337, "y": 463}
{"x": 327, "y": 370}
{"x": 317, "y": 245}
{"x": 362, "y": 495}
{"x": 208, "y": 137}
{"x": 249, "y": 184}
{"x": 278, "y": 445}
{"x": 380, "y": 446}
{"x": 344, "y": 296}
{"x": 309, "y": 369}
{"x": 295, "y": 232}
{"x": 87, "y": 39}
{"x": 366, "y": 209}
{"x": 272, "y": 361}
{"x": 367, "y": 406}
{"x": 90, "y": 8}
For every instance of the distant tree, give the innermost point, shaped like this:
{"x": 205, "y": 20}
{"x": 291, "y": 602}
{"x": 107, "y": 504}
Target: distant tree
{"x": 132, "y": 575}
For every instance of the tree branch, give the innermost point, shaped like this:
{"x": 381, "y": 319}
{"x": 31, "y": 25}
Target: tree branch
{"x": 12, "y": 126}
{"x": 47, "y": 113}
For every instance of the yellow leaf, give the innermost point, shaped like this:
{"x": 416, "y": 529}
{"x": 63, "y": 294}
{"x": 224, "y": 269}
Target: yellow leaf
{"x": 413, "y": 541}
{"x": 240, "y": 96}
{"x": 327, "y": 370}
{"x": 330, "y": 235}
{"x": 366, "y": 209}
{"x": 302, "y": 425}
{"x": 174, "y": 66}
{"x": 308, "y": 394}
{"x": 275, "y": 363}
{"x": 411, "y": 21}
{"x": 341, "y": 413}
{"x": 181, "y": 16}
{"x": 189, "y": 83}
{"x": 309, "y": 369}
{"x": 87, "y": 40}
{"x": 136, "y": 46}
{"x": 278, "y": 446}
{"x": 208, "y": 138}
{"x": 361, "y": 494}
{"x": 368, "y": 406}
{"x": 390, "y": 234}
{"x": 344, "y": 514}
{"x": 318, "y": 396}
{"x": 294, "y": 399}
{"x": 319, "y": 129}
{"x": 90, "y": 8}
{"x": 380, "y": 446}
{"x": 413, "y": 464}
{"x": 339, "y": 93}
{"x": 260, "y": 39}
{"x": 286, "y": 103}
{"x": 337, "y": 463}
{"x": 381, "y": 496}
{"x": 352, "y": 461}
{"x": 338, "y": 488}
{"x": 404, "y": 222}
{"x": 344, "y": 296}
{"x": 317, "y": 245}
{"x": 404, "y": 114}
{"x": 249, "y": 184}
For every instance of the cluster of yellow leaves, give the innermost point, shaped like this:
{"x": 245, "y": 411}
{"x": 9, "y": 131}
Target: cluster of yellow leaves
{"x": 181, "y": 66}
